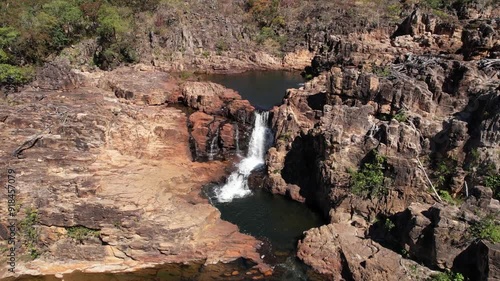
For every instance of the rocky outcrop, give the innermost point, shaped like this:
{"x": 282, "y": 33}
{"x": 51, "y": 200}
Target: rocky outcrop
{"x": 107, "y": 184}
{"x": 425, "y": 30}
{"x": 476, "y": 39}
{"x": 339, "y": 250}
{"x": 433, "y": 234}
{"x": 57, "y": 75}
{"x": 481, "y": 39}
{"x": 221, "y": 112}
{"x": 143, "y": 87}
{"x": 339, "y": 122}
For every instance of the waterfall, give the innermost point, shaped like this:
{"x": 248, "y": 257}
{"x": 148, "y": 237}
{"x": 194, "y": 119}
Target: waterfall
{"x": 213, "y": 144}
{"x": 237, "y": 139}
{"x": 237, "y": 185}
{"x": 373, "y": 130}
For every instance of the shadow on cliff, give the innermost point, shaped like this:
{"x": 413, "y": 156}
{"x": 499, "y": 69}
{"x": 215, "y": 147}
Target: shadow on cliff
{"x": 302, "y": 168}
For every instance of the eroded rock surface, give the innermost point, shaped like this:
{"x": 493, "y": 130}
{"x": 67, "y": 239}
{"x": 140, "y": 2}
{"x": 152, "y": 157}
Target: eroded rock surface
{"x": 408, "y": 106}
{"x": 114, "y": 166}
{"x": 339, "y": 250}
{"x": 221, "y": 113}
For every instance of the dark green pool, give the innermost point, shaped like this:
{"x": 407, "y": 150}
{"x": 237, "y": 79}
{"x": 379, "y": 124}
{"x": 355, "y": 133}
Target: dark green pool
{"x": 263, "y": 89}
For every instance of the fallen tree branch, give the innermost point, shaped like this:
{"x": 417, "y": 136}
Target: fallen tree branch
{"x": 420, "y": 163}
{"x": 427, "y": 177}
{"x": 29, "y": 143}
{"x": 466, "y": 190}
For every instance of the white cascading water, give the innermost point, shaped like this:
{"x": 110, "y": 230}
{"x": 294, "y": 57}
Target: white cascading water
{"x": 237, "y": 139}
{"x": 213, "y": 143}
{"x": 237, "y": 184}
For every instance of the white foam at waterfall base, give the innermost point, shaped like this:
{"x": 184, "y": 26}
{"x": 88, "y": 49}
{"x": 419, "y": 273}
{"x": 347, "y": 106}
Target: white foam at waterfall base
{"x": 237, "y": 183}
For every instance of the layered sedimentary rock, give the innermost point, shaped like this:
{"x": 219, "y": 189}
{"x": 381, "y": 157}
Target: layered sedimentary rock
{"x": 221, "y": 113}
{"x": 106, "y": 183}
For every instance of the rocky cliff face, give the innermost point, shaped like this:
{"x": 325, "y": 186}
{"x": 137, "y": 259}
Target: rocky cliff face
{"x": 222, "y": 115}
{"x": 104, "y": 168}
{"x": 367, "y": 134}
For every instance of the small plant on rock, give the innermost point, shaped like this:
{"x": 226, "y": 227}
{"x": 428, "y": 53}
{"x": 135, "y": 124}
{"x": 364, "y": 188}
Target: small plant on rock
{"x": 389, "y": 225}
{"x": 81, "y": 233}
{"x": 401, "y": 116}
{"x": 381, "y": 71}
{"x": 369, "y": 181}
{"x": 447, "y": 276}
{"x": 29, "y": 232}
{"x": 445, "y": 195}
{"x": 493, "y": 182}
{"x": 488, "y": 228}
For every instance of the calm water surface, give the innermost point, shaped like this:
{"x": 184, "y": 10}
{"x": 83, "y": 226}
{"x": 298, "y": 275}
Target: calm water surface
{"x": 263, "y": 89}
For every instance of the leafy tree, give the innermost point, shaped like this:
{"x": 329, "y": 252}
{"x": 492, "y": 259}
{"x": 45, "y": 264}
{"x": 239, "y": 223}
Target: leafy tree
{"x": 265, "y": 12}
{"x": 113, "y": 22}
{"x": 67, "y": 12}
{"x": 14, "y": 75}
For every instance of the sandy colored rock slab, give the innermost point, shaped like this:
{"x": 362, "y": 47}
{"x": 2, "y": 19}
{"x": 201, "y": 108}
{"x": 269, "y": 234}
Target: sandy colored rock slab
{"x": 339, "y": 249}
{"x": 120, "y": 168}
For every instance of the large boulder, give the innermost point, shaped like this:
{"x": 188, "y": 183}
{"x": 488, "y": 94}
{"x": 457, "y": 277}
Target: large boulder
{"x": 339, "y": 250}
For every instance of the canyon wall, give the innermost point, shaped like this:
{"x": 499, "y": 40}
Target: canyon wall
{"x": 388, "y": 118}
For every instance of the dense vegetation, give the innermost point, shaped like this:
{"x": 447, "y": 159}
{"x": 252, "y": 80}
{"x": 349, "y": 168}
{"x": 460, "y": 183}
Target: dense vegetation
{"x": 33, "y": 31}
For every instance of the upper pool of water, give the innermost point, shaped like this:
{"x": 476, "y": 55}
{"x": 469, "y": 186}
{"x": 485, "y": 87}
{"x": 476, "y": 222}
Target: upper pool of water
{"x": 264, "y": 89}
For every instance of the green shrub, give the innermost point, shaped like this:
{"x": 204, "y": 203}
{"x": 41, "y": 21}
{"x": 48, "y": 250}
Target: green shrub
{"x": 493, "y": 182}
{"x": 394, "y": 10}
{"x": 81, "y": 233}
{"x": 15, "y": 75}
{"x": 487, "y": 228}
{"x": 381, "y": 71}
{"x": 266, "y": 12}
{"x": 265, "y": 33}
{"x": 445, "y": 195}
{"x": 388, "y": 224}
{"x": 221, "y": 46}
{"x": 29, "y": 233}
{"x": 400, "y": 116}
{"x": 4, "y": 57}
{"x": 7, "y": 36}
{"x": 369, "y": 181}
{"x": 443, "y": 172}
{"x": 286, "y": 136}
{"x": 67, "y": 13}
{"x": 185, "y": 75}
{"x": 113, "y": 21}
{"x": 447, "y": 276}
{"x": 474, "y": 161}
{"x": 438, "y": 4}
